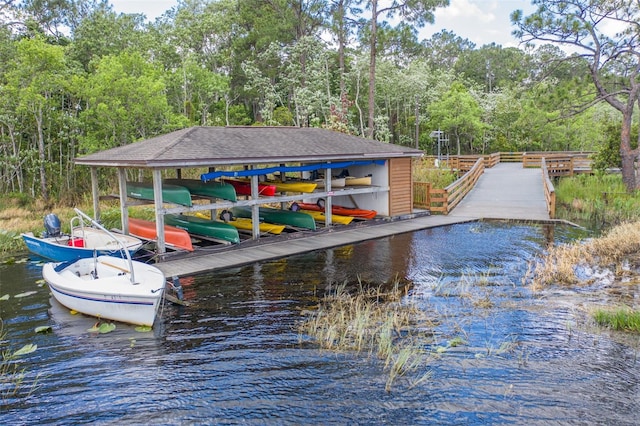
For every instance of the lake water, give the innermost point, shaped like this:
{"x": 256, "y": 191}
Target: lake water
{"x": 234, "y": 356}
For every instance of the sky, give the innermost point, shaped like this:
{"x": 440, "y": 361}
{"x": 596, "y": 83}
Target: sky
{"x": 480, "y": 21}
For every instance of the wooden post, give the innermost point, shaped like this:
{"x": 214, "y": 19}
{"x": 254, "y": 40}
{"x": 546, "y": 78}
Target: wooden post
{"x": 124, "y": 212}
{"x": 157, "y": 201}
{"x": 95, "y": 194}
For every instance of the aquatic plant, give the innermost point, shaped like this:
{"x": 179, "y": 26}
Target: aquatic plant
{"x": 598, "y": 201}
{"x": 559, "y": 265}
{"x": 375, "y": 321}
{"x": 620, "y": 319}
{"x": 12, "y": 376}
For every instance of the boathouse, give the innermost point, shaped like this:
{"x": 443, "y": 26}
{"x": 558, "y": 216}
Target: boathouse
{"x": 252, "y": 152}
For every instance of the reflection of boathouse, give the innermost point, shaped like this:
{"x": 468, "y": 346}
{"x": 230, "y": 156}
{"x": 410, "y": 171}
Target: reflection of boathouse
{"x": 251, "y": 152}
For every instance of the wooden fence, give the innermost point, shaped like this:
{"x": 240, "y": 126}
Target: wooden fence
{"x": 442, "y": 201}
{"x": 549, "y": 190}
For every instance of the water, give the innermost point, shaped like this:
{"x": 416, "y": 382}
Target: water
{"x": 234, "y": 356}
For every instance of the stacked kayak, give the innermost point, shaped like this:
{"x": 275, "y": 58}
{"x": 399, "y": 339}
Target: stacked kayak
{"x": 340, "y": 210}
{"x": 244, "y": 187}
{"x": 211, "y": 189}
{"x": 170, "y": 193}
{"x": 174, "y": 237}
{"x": 335, "y": 218}
{"x": 283, "y": 217}
{"x": 204, "y": 227}
{"x": 246, "y": 224}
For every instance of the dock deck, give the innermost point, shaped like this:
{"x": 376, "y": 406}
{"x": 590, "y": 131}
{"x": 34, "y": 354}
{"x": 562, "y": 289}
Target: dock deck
{"x": 506, "y": 192}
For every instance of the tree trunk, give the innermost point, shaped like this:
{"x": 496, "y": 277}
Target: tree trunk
{"x": 41, "y": 155}
{"x": 628, "y": 155}
{"x": 372, "y": 68}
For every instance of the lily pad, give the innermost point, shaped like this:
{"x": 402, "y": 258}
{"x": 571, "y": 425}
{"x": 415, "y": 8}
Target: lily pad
{"x": 43, "y": 329}
{"x": 143, "y": 328}
{"x": 41, "y": 282}
{"x": 5, "y": 297}
{"x": 26, "y": 349}
{"x": 102, "y": 328}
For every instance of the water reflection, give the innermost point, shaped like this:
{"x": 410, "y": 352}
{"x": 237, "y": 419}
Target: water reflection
{"x": 233, "y": 355}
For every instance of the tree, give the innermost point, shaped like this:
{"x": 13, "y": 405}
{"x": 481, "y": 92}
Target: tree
{"x": 458, "y": 114}
{"x": 418, "y": 12}
{"x": 612, "y": 58}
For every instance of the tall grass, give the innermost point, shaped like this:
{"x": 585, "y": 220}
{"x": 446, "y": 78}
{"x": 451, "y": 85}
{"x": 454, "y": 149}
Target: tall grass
{"x": 425, "y": 170}
{"x": 620, "y": 319}
{"x": 558, "y": 265}
{"x": 596, "y": 201}
{"x": 375, "y": 321}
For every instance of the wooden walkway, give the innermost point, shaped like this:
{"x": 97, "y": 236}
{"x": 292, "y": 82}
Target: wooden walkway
{"x": 506, "y": 191}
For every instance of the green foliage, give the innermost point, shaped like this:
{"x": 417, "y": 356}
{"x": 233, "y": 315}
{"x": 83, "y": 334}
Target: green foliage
{"x": 597, "y": 201}
{"x": 622, "y": 319}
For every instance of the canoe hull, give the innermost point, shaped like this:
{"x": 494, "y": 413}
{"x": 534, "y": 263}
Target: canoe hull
{"x": 335, "y": 182}
{"x": 246, "y": 224}
{"x": 340, "y": 210}
{"x": 283, "y": 217}
{"x": 335, "y": 218}
{"x": 211, "y": 189}
{"x": 358, "y": 181}
{"x": 204, "y": 227}
{"x": 175, "y": 237}
{"x": 170, "y": 193}
{"x": 109, "y": 293}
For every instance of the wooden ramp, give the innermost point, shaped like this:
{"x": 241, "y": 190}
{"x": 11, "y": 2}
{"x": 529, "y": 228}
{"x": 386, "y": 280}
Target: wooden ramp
{"x": 506, "y": 191}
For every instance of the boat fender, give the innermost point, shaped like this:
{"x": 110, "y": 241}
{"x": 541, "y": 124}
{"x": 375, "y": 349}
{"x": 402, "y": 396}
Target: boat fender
{"x": 320, "y": 203}
{"x": 177, "y": 287}
{"x": 294, "y": 207}
{"x": 226, "y": 216}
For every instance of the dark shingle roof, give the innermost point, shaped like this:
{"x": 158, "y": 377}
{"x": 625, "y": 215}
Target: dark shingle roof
{"x": 206, "y": 146}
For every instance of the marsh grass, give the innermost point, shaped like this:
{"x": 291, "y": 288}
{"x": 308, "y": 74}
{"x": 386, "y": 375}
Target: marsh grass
{"x": 611, "y": 250}
{"x": 377, "y": 321}
{"x": 620, "y": 319}
{"x": 596, "y": 201}
{"x": 425, "y": 170}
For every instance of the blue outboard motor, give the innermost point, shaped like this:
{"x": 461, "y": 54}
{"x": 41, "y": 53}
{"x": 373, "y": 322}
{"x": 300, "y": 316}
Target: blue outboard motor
{"x": 51, "y": 225}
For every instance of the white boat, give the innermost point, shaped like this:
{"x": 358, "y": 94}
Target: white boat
{"x": 108, "y": 287}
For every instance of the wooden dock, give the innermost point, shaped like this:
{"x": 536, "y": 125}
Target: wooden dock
{"x": 506, "y": 191}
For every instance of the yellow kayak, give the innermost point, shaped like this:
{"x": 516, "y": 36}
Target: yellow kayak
{"x": 335, "y": 218}
{"x": 245, "y": 223}
{"x": 289, "y": 185}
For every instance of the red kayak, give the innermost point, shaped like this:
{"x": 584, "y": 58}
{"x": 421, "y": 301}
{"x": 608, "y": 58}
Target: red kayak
{"x": 339, "y": 210}
{"x": 174, "y": 237}
{"x": 244, "y": 188}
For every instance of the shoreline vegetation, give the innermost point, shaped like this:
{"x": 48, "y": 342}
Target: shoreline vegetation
{"x": 382, "y": 321}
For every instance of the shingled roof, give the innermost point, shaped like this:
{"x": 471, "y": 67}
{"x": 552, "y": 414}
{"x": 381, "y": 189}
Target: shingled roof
{"x": 207, "y": 146}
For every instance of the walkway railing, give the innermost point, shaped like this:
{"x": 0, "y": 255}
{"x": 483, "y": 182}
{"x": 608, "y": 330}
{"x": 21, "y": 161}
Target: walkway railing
{"x": 553, "y": 164}
{"x": 549, "y": 190}
{"x": 442, "y": 201}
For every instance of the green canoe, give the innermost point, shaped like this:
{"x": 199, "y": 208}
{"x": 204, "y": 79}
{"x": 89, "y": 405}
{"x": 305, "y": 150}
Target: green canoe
{"x": 204, "y": 227}
{"x": 211, "y": 189}
{"x": 170, "y": 193}
{"x": 283, "y": 217}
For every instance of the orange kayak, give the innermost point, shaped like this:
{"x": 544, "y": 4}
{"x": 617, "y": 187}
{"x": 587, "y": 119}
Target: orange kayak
{"x": 173, "y": 236}
{"x": 340, "y": 210}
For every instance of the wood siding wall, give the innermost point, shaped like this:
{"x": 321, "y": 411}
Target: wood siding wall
{"x": 400, "y": 186}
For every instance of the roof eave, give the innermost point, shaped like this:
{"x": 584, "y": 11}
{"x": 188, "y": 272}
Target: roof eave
{"x": 236, "y": 161}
